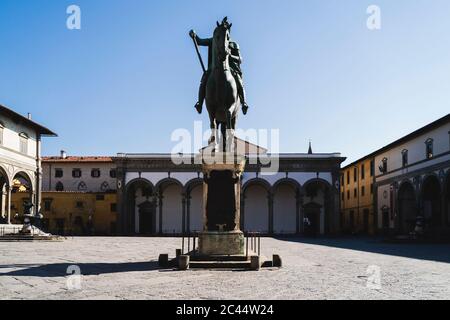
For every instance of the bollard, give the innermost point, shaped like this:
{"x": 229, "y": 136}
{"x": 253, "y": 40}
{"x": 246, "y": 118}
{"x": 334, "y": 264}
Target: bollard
{"x": 183, "y": 262}
{"x": 255, "y": 262}
{"x": 163, "y": 260}
{"x": 277, "y": 262}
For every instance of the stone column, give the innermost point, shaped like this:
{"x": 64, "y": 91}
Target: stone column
{"x": 4, "y": 198}
{"x": 8, "y": 190}
{"x": 34, "y": 201}
{"x": 298, "y": 213}
{"x": 183, "y": 210}
{"x": 37, "y": 196}
{"x": 160, "y": 204}
{"x": 443, "y": 208}
{"x": 188, "y": 212}
{"x": 122, "y": 203}
{"x": 270, "y": 202}
{"x": 301, "y": 213}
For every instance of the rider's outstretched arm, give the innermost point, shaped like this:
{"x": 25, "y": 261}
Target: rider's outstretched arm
{"x": 203, "y": 42}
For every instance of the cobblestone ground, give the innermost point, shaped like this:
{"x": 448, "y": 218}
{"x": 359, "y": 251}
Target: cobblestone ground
{"x": 126, "y": 268}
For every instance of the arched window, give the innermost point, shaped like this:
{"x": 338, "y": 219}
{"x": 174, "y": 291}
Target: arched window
{"x": 59, "y": 186}
{"x": 429, "y": 148}
{"x": 82, "y": 186}
{"x": 105, "y": 186}
{"x": 23, "y": 138}
{"x": 383, "y": 166}
{"x": 1, "y": 132}
{"x": 404, "y": 157}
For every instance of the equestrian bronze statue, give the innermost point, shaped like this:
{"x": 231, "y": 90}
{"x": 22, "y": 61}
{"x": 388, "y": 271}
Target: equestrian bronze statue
{"x": 221, "y": 85}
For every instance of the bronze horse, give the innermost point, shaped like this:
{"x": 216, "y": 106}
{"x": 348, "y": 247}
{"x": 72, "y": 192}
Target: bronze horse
{"x": 222, "y": 99}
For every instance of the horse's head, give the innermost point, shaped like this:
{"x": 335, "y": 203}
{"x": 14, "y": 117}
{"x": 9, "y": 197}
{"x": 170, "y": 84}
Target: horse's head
{"x": 222, "y": 39}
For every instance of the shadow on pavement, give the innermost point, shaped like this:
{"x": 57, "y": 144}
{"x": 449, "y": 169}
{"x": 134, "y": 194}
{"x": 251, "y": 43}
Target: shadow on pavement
{"x": 432, "y": 252}
{"x": 87, "y": 269}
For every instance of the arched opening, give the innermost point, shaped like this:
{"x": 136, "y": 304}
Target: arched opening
{"x": 407, "y": 208}
{"x": 141, "y": 215}
{"x": 171, "y": 192}
{"x": 147, "y": 224}
{"x": 82, "y": 186}
{"x": 447, "y": 198}
{"x": 4, "y": 185}
{"x": 22, "y": 197}
{"x": 285, "y": 208}
{"x": 59, "y": 186}
{"x": 256, "y": 208}
{"x": 316, "y": 208}
{"x": 195, "y": 206}
{"x": 431, "y": 197}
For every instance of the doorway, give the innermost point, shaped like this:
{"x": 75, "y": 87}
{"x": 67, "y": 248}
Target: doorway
{"x": 312, "y": 219}
{"x": 147, "y": 218}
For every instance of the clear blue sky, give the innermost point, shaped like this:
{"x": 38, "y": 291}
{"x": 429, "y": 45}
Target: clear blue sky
{"x": 130, "y": 76}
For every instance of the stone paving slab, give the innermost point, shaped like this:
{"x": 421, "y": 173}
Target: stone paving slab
{"x": 126, "y": 268}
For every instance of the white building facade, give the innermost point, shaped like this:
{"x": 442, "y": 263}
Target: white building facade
{"x": 20, "y": 159}
{"x": 413, "y": 180}
{"x": 157, "y": 196}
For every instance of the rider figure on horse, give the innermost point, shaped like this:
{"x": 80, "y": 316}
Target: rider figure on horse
{"x": 235, "y": 65}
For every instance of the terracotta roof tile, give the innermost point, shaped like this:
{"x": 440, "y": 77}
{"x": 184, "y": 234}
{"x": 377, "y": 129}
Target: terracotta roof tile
{"x": 70, "y": 159}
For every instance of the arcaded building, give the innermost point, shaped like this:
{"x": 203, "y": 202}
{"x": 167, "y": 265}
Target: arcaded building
{"x": 413, "y": 180}
{"x": 20, "y": 163}
{"x": 390, "y": 189}
{"x": 156, "y": 196}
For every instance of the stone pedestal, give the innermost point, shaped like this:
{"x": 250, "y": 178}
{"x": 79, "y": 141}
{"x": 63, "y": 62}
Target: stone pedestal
{"x": 221, "y": 243}
{"x": 222, "y": 233}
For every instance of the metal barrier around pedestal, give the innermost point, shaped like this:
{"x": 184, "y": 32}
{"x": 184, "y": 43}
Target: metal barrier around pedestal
{"x": 254, "y": 240}
{"x": 187, "y": 237}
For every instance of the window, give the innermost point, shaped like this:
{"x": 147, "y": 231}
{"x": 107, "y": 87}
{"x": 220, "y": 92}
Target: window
{"x": 383, "y": 166}
{"x": 79, "y": 205}
{"x": 76, "y": 173}
{"x": 113, "y": 173}
{"x": 113, "y": 207}
{"x": 348, "y": 194}
{"x": 342, "y": 179}
{"x": 59, "y": 186}
{"x": 348, "y": 177}
{"x": 1, "y": 133}
{"x": 23, "y": 137}
{"x": 355, "y": 192}
{"x": 59, "y": 173}
{"x": 82, "y": 186}
{"x": 105, "y": 186}
{"x": 372, "y": 168}
{"x": 371, "y": 188}
{"x": 343, "y": 196}
{"x": 404, "y": 158}
{"x": 99, "y": 197}
{"x": 355, "y": 174}
{"x": 95, "y": 173}
{"x": 429, "y": 148}
{"x": 363, "y": 173}
{"x": 47, "y": 204}
{"x": 363, "y": 191}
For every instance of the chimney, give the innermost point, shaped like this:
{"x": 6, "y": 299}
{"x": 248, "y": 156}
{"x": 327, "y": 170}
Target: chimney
{"x": 63, "y": 154}
{"x": 29, "y": 116}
